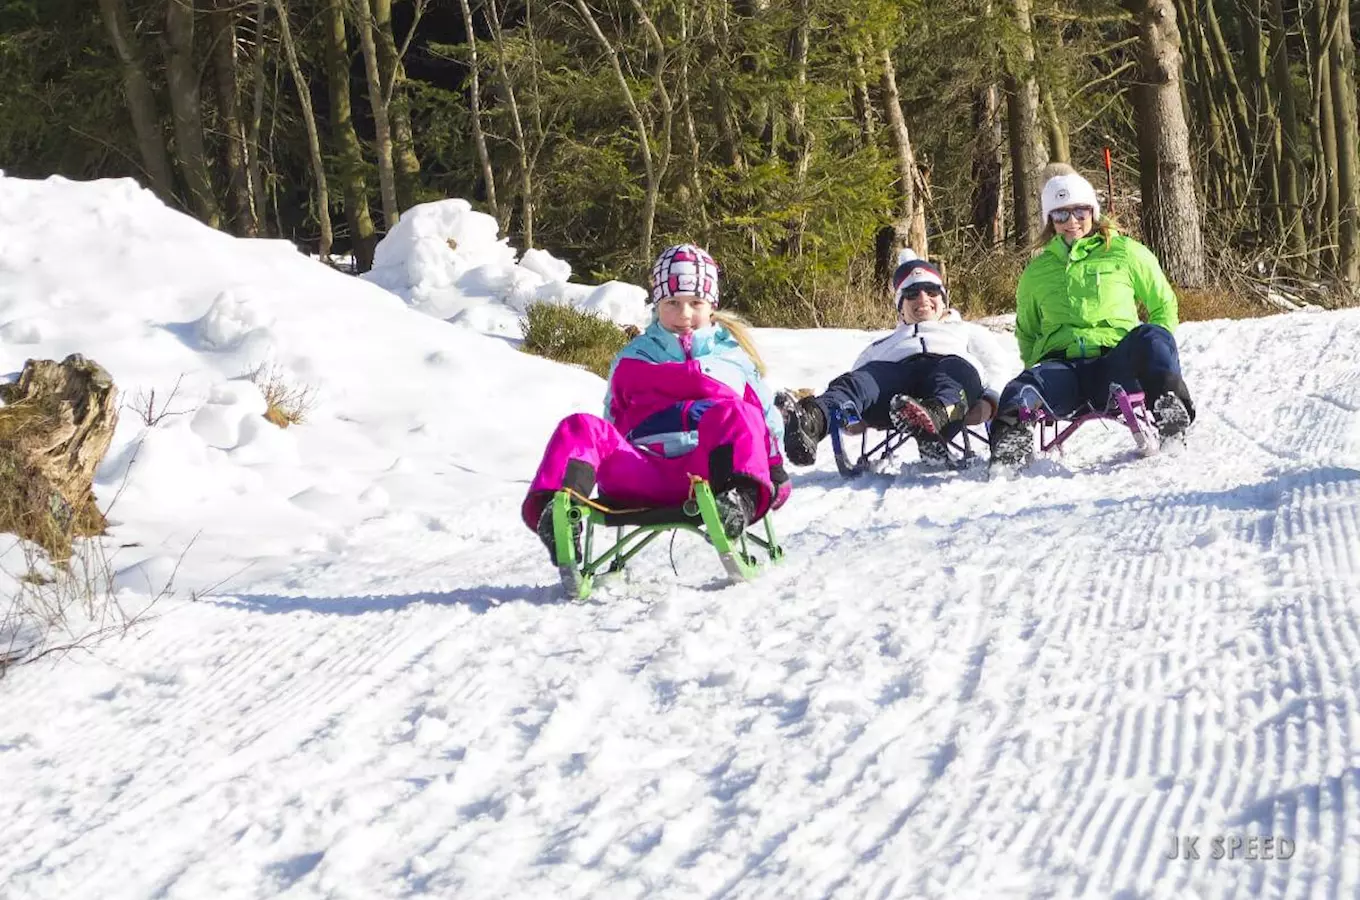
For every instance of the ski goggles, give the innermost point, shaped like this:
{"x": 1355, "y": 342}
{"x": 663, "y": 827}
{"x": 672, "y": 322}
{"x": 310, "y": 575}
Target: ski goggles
{"x": 1060, "y": 216}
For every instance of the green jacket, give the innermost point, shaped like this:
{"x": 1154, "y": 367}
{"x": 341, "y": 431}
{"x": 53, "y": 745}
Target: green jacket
{"x": 1074, "y": 303}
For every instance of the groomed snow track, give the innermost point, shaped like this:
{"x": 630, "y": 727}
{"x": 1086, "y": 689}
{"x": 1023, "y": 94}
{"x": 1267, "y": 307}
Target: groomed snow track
{"x": 953, "y": 688}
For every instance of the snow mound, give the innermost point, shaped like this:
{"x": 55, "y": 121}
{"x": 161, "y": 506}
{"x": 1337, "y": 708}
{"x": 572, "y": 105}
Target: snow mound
{"x": 186, "y": 319}
{"x": 446, "y": 260}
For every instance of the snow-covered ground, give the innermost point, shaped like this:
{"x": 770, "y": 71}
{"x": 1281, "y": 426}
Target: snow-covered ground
{"x": 952, "y": 688}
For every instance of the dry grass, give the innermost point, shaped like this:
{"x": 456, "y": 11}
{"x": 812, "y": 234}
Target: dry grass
{"x": 1202, "y": 304}
{"x": 287, "y": 403}
{"x": 983, "y": 284}
{"x": 56, "y": 591}
{"x": 571, "y": 336}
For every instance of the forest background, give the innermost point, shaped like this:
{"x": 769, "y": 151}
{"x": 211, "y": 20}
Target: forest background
{"x": 802, "y": 141}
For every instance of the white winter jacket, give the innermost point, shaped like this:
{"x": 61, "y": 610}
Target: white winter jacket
{"x": 950, "y": 336}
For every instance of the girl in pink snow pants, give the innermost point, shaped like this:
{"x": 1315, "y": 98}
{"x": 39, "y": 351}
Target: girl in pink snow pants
{"x": 686, "y": 397}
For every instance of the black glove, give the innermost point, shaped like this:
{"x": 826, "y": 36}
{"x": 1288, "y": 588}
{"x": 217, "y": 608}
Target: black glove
{"x": 778, "y": 475}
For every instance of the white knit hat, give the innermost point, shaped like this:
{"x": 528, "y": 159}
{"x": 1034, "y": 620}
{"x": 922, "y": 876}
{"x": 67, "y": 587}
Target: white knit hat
{"x": 1069, "y": 190}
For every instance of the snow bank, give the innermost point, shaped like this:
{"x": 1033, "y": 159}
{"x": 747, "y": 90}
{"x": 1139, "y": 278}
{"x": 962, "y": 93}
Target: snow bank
{"x": 446, "y": 260}
{"x": 173, "y": 307}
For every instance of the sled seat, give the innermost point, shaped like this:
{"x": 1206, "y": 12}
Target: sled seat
{"x": 614, "y": 514}
{"x": 958, "y": 450}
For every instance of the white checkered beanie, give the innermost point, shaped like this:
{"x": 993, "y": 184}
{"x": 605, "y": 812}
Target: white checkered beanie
{"x": 685, "y": 269}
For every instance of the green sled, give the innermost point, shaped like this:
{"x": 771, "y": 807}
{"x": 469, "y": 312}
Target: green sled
{"x": 636, "y": 528}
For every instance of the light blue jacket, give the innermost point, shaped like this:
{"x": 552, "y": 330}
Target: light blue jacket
{"x": 719, "y": 357}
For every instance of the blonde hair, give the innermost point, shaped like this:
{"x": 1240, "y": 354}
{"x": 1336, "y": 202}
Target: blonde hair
{"x": 1107, "y": 225}
{"x": 740, "y": 329}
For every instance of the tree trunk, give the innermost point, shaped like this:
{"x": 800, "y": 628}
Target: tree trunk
{"x": 229, "y": 108}
{"x": 387, "y": 176}
{"x": 1263, "y": 123}
{"x": 141, "y": 100}
{"x": 181, "y": 75}
{"x": 1289, "y": 157}
{"x": 910, "y": 226}
{"x": 799, "y": 134}
{"x": 1170, "y": 211}
{"x": 526, "y": 176}
{"x": 989, "y": 165}
{"x": 643, "y": 137}
{"x": 1026, "y": 146}
{"x": 1235, "y": 101}
{"x": 398, "y": 107}
{"x": 1328, "y": 204}
{"x": 695, "y": 175}
{"x": 1058, "y": 149}
{"x": 254, "y": 167}
{"x": 475, "y": 105}
{"x": 323, "y": 198}
{"x": 1342, "y": 78}
{"x": 348, "y": 151}
{"x": 864, "y": 105}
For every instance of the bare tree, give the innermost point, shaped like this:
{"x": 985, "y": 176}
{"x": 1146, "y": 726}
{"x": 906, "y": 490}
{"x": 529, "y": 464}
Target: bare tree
{"x": 353, "y": 184}
{"x": 475, "y": 103}
{"x": 141, "y": 101}
{"x": 377, "y": 101}
{"x": 507, "y": 87}
{"x": 394, "y": 96}
{"x": 1170, "y": 210}
{"x": 1027, "y": 151}
{"x": 181, "y": 75}
{"x": 323, "y": 200}
{"x": 910, "y": 227}
{"x": 653, "y": 184}
{"x": 224, "y": 54}
{"x": 254, "y": 164}
{"x": 1343, "y": 83}
{"x": 989, "y": 167}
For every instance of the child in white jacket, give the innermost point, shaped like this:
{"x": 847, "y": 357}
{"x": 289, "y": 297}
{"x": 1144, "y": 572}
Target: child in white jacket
{"x": 929, "y": 377}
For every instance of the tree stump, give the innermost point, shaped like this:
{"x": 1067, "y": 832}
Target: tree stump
{"x": 56, "y": 426}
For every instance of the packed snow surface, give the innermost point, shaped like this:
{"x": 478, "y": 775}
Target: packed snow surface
{"x": 366, "y": 684}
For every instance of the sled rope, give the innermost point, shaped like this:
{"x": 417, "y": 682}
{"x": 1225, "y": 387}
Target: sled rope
{"x": 576, "y": 495}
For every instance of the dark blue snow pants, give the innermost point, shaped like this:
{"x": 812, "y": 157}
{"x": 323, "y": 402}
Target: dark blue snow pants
{"x": 1145, "y": 360}
{"x": 869, "y": 389}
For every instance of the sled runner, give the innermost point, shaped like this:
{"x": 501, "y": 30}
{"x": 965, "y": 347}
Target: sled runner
{"x": 956, "y": 453}
{"x": 1129, "y": 410}
{"x": 636, "y": 528}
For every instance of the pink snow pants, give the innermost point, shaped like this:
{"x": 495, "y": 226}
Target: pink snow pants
{"x": 629, "y": 475}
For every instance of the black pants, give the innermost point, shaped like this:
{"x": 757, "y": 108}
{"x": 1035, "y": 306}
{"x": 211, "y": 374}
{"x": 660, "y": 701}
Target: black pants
{"x": 869, "y": 389}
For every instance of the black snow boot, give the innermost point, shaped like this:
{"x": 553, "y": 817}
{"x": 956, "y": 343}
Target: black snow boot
{"x": 1012, "y": 443}
{"x": 736, "y": 508}
{"x": 1169, "y": 394}
{"x": 548, "y": 536}
{"x": 1171, "y": 415}
{"x": 804, "y": 428}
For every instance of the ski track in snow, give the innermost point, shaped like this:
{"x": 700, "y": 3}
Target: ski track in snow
{"x": 952, "y": 688}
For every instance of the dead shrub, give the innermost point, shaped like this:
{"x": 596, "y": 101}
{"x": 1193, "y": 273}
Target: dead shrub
{"x": 152, "y": 410}
{"x": 286, "y": 403}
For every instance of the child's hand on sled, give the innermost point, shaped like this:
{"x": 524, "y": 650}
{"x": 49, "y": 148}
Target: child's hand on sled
{"x": 981, "y": 411}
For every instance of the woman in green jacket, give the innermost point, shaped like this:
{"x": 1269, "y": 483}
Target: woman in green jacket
{"x": 1076, "y": 321}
